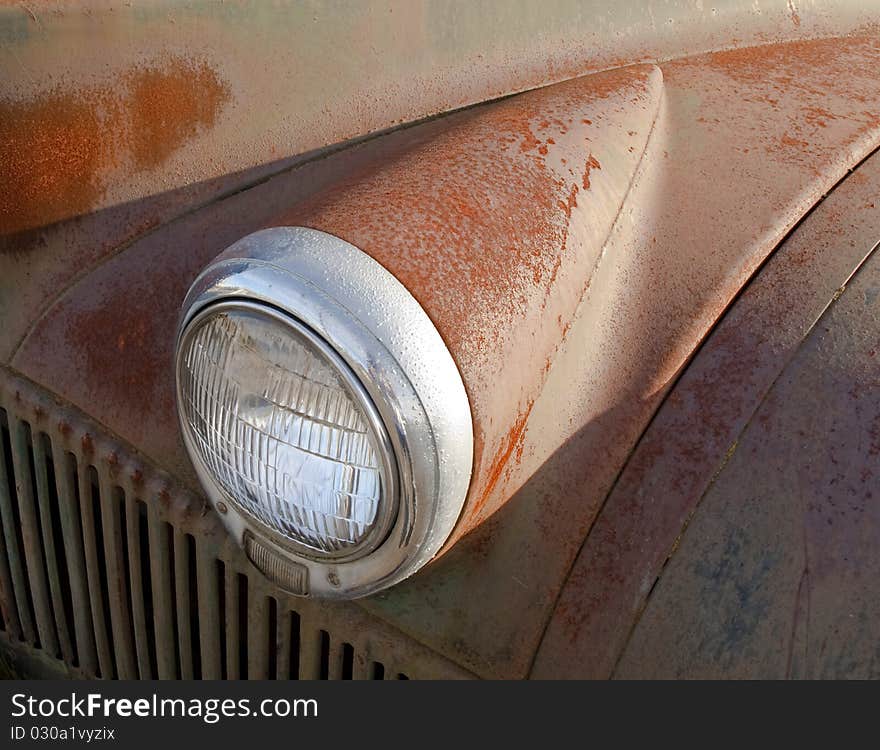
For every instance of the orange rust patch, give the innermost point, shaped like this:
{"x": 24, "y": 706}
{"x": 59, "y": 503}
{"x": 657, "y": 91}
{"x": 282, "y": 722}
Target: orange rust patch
{"x": 592, "y": 163}
{"x": 58, "y": 153}
{"x": 512, "y": 445}
{"x": 488, "y": 210}
{"x": 787, "y": 140}
{"x": 51, "y": 155}
{"x": 815, "y": 82}
{"x": 168, "y": 107}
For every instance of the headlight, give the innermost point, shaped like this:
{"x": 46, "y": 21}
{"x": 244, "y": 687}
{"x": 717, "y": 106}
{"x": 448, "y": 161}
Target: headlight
{"x": 286, "y": 430}
{"x": 323, "y": 413}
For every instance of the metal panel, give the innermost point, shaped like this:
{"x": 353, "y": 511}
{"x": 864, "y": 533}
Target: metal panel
{"x": 696, "y": 431}
{"x": 775, "y": 575}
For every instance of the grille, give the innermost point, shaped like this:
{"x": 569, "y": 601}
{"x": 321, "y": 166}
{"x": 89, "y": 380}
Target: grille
{"x": 110, "y": 569}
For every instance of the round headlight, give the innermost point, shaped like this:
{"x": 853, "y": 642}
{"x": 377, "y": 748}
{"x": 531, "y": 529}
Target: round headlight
{"x": 286, "y": 430}
{"x": 324, "y": 415}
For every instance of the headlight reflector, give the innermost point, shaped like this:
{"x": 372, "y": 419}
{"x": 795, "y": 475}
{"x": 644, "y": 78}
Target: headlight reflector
{"x": 286, "y": 430}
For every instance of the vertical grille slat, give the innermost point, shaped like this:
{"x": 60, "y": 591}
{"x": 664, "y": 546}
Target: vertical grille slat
{"x": 12, "y": 581}
{"x": 258, "y": 639}
{"x": 362, "y": 666}
{"x": 110, "y": 568}
{"x": 7, "y": 597}
{"x": 310, "y": 654}
{"x": 45, "y": 499}
{"x": 93, "y": 570}
{"x": 335, "y": 658}
{"x": 32, "y": 536}
{"x": 208, "y": 597}
{"x": 16, "y": 536}
{"x": 232, "y": 608}
{"x": 116, "y": 588}
{"x": 133, "y": 515}
{"x": 68, "y": 511}
{"x": 283, "y": 643}
{"x": 184, "y": 598}
{"x": 162, "y": 585}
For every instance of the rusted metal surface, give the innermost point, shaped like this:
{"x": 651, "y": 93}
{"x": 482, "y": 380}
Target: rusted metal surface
{"x": 389, "y": 61}
{"x": 59, "y": 151}
{"x": 168, "y": 534}
{"x": 698, "y": 433}
{"x": 168, "y": 105}
{"x": 116, "y": 324}
{"x": 495, "y": 225}
{"x": 717, "y": 189}
{"x": 775, "y": 575}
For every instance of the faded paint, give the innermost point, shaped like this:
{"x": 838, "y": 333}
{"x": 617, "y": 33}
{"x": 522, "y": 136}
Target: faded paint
{"x": 58, "y": 152}
{"x": 389, "y": 61}
{"x": 692, "y": 439}
{"x": 775, "y": 574}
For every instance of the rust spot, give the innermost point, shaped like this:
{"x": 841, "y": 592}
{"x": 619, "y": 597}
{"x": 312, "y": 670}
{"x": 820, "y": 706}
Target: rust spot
{"x": 60, "y": 152}
{"x": 788, "y": 140}
{"x": 53, "y": 153}
{"x": 511, "y": 446}
{"x": 487, "y": 237}
{"x": 169, "y": 106}
{"x": 795, "y": 16}
{"x": 64, "y": 428}
{"x": 88, "y": 445}
{"x": 592, "y": 163}
{"x": 137, "y": 476}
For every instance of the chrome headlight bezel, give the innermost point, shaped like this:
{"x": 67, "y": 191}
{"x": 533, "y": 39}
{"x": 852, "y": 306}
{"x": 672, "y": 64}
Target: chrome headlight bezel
{"x": 386, "y": 341}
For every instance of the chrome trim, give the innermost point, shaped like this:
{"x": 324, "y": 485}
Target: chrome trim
{"x": 387, "y": 339}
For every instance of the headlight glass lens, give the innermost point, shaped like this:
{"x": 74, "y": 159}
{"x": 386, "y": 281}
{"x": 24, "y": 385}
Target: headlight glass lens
{"x": 286, "y": 431}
